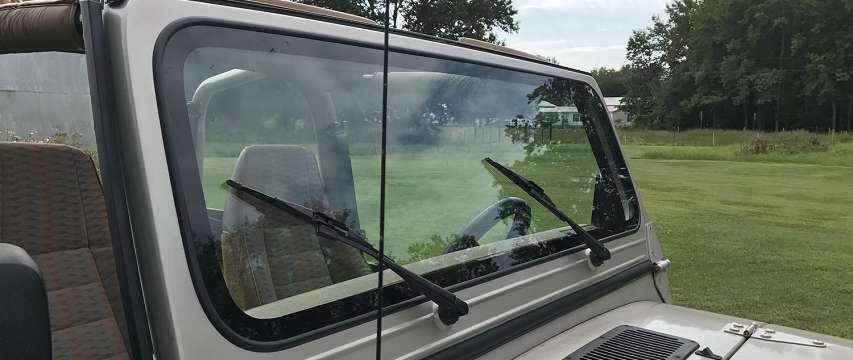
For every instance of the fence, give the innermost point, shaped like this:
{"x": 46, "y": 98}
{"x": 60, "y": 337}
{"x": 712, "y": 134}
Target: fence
{"x": 710, "y": 137}
{"x": 630, "y": 136}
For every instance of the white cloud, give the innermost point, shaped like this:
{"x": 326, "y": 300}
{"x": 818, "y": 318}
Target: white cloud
{"x": 549, "y": 46}
{"x": 581, "y": 34}
{"x": 587, "y": 49}
{"x": 540, "y": 4}
{"x": 539, "y": 44}
{"x": 606, "y": 5}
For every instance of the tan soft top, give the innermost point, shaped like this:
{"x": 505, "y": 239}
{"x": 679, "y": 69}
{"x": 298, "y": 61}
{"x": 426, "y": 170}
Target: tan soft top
{"x": 54, "y": 25}
{"x": 40, "y": 25}
{"x": 287, "y": 4}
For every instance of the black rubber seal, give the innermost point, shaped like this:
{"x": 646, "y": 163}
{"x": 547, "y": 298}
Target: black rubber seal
{"x": 107, "y": 137}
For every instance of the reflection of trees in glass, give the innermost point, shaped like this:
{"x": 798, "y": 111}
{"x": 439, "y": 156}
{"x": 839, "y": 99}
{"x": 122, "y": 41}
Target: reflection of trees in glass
{"x": 430, "y": 101}
{"x": 566, "y": 172}
{"x": 544, "y": 119}
{"x": 360, "y": 115}
{"x": 425, "y": 250}
{"x": 361, "y": 118}
{"x": 466, "y": 271}
{"x": 526, "y": 132}
{"x": 565, "y": 168}
{"x": 472, "y": 233}
{"x": 563, "y": 91}
{"x": 521, "y": 213}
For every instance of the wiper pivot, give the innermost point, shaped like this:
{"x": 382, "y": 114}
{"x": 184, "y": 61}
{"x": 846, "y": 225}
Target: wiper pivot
{"x": 450, "y": 307}
{"x": 598, "y": 253}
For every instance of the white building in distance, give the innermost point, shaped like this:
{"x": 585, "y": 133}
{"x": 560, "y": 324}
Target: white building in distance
{"x": 618, "y": 116}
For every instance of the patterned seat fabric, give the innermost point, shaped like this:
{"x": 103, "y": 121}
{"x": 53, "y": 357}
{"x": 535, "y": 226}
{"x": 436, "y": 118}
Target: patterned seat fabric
{"x": 267, "y": 254}
{"x": 52, "y": 206}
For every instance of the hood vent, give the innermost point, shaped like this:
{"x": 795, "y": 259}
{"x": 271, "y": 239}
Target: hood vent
{"x": 632, "y": 343}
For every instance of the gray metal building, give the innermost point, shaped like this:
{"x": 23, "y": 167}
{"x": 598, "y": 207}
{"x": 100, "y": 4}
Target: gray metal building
{"x": 43, "y": 93}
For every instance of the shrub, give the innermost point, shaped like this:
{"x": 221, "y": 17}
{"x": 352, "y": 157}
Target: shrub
{"x": 761, "y": 146}
{"x": 425, "y": 250}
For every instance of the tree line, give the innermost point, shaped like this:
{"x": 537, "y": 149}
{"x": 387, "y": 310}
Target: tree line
{"x": 765, "y": 65}
{"x": 449, "y": 19}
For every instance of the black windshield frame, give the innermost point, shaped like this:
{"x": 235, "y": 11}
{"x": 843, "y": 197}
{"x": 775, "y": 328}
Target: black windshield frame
{"x": 268, "y": 335}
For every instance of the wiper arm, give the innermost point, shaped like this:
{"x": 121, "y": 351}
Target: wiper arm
{"x": 450, "y": 308}
{"x": 598, "y": 253}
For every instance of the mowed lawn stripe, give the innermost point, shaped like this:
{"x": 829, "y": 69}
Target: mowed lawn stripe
{"x": 770, "y": 242}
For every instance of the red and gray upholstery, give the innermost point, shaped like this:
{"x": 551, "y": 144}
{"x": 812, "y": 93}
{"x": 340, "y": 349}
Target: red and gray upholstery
{"x": 52, "y": 206}
{"x": 267, "y": 254}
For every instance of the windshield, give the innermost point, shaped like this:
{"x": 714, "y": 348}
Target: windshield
{"x": 300, "y": 119}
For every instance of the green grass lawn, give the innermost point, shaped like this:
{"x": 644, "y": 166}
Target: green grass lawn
{"x": 770, "y": 242}
{"x": 431, "y": 193}
{"x": 835, "y": 155}
{"x": 416, "y": 209}
{"x": 718, "y": 137}
{"x": 752, "y": 238}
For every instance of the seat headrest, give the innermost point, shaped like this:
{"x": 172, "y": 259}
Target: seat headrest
{"x": 288, "y": 172}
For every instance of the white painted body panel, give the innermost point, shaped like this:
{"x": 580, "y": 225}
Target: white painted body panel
{"x": 639, "y": 289}
{"x": 700, "y": 326}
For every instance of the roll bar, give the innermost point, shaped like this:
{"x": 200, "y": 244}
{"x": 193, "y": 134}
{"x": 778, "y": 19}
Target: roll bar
{"x": 197, "y": 107}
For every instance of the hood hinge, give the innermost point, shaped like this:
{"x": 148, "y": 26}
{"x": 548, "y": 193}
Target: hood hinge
{"x": 768, "y": 334}
{"x": 661, "y": 266}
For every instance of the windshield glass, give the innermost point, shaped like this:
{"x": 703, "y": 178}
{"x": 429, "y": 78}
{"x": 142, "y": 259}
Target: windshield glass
{"x": 300, "y": 119}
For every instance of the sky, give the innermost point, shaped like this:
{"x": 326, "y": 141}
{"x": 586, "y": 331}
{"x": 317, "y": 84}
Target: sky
{"x": 581, "y": 34}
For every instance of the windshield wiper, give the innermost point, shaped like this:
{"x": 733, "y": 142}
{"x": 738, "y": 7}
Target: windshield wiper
{"x": 598, "y": 253}
{"x": 450, "y": 308}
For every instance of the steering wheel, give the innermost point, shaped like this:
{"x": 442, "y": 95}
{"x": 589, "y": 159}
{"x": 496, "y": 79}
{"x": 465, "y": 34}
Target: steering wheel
{"x": 487, "y": 219}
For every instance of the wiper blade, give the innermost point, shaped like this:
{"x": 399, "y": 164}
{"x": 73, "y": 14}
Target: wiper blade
{"x": 450, "y": 308}
{"x": 598, "y": 253}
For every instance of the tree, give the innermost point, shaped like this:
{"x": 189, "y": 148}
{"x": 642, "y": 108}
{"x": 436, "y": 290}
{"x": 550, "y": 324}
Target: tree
{"x": 611, "y": 81}
{"x": 829, "y": 57}
{"x": 765, "y": 64}
{"x": 645, "y": 75}
{"x": 452, "y": 19}
{"x": 371, "y": 9}
{"x": 449, "y": 19}
{"x": 550, "y": 59}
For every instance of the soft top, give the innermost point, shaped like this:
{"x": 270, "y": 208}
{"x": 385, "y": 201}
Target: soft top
{"x": 54, "y": 25}
{"x": 40, "y": 25}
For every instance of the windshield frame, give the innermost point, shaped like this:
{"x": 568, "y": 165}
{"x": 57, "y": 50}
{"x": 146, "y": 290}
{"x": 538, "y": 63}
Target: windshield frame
{"x": 176, "y": 164}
